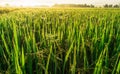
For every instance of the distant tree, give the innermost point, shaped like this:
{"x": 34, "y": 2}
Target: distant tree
{"x": 110, "y": 6}
{"x": 85, "y": 5}
{"x": 116, "y": 6}
{"x": 106, "y": 5}
{"x": 92, "y": 6}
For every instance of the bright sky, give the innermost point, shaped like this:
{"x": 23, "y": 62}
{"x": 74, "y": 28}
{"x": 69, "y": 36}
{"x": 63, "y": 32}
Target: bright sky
{"x": 52, "y": 2}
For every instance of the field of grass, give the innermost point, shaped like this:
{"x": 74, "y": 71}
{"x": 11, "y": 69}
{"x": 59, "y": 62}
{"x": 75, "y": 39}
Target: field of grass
{"x": 59, "y": 41}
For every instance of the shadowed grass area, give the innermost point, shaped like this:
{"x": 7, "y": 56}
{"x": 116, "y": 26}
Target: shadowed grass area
{"x": 60, "y": 41}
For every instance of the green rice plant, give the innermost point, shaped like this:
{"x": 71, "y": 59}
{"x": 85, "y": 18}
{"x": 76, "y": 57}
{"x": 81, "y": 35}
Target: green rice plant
{"x": 23, "y": 61}
{"x": 48, "y": 60}
{"x": 56, "y": 41}
{"x": 98, "y": 67}
{"x": 5, "y": 44}
{"x": 116, "y": 68}
{"x": 16, "y": 50}
{"x": 67, "y": 55}
{"x": 73, "y": 69}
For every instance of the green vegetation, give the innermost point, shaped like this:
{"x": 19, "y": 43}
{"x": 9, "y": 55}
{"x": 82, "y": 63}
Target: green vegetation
{"x": 59, "y": 41}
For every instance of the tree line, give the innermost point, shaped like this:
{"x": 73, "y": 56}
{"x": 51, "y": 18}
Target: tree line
{"x": 73, "y": 5}
{"x": 86, "y": 5}
{"x": 111, "y": 6}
